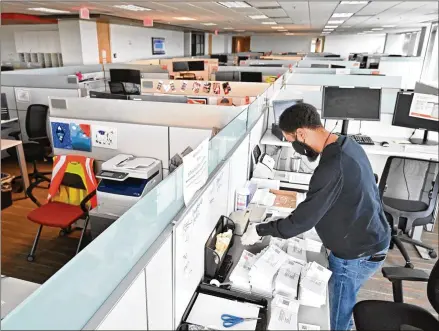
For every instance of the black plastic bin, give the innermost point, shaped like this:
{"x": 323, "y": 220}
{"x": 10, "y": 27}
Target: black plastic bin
{"x": 212, "y": 261}
{"x": 6, "y": 180}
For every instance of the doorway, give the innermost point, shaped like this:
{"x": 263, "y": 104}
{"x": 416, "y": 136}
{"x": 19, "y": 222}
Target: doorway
{"x": 103, "y": 31}
{"x": 240, "y": 44}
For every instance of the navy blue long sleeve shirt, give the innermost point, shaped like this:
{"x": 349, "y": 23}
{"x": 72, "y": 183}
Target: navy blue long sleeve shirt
{"x": 342, "y": 203}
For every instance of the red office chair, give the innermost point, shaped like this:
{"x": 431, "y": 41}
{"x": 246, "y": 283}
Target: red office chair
{"x": 71, "y": 194}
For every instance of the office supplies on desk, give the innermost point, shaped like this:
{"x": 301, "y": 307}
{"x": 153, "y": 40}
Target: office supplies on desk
{"x": 293, "y": 177}
{"x": 296, "y": 249}
{"x": 384, "y": 144}
{"x": 306, "y": 327}
{"x": 125, "y": 179}
{"x": 263, "y": 197}
{"x": 240, "y": 274}
{"x": 208, "y": 309}
{"x": 286, "y": 282}
{"x": 232, "y": 320}
{"x": 284, "y": 314}
{"x": 241, "y": 219}
{"x": 313, "y": 285}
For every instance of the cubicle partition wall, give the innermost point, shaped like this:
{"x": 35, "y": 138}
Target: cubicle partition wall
{"x": 268, "y": 63}
{"x": 141, "y": 273}
{"x": 409, "y": 68}
{"x": 267, "y": 72}
{"x": 327, "y": 63}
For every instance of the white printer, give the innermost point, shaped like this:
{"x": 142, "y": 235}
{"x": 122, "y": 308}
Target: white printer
{"x": 124, "y": 180}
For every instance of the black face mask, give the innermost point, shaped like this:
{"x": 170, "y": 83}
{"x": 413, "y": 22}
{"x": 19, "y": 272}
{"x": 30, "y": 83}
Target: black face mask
{"x": 304, "y": 149}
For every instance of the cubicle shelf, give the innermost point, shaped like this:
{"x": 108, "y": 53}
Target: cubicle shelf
{"x": 272, "y": 140}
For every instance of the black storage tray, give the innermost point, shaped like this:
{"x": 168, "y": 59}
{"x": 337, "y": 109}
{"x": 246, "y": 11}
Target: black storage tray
{"x": 212, "y": 261}
{"x": 231, "y": 295}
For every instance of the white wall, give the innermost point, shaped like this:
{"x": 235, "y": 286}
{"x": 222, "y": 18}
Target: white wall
{"x": 394, "y": 44}
{"x": 345, "y": 44}
{"x": 134, "y": 43}
{"x": 71, "y": 45}
{"x": 89, "y": 42}
{"x": 265, "y": 43}
{"x": 11, "y": 37}
{"x": 218, "y": 44}
{"x": 187, "y": 43}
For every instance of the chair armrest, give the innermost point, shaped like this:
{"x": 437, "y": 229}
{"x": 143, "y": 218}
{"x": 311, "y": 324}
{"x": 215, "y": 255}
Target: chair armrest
{"x": 401, "y": 273}
{"x": 83, "y": 204}
{"x": 32, "y": 186}
{"x": 15, "y": 134}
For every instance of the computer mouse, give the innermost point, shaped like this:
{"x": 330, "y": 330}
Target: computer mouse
{"x": 385, "y": 144}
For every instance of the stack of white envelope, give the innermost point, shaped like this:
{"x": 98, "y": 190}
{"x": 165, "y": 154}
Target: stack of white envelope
{"x": 240, "y": 274}
{"x": 279, "y": 242}
{"x": 286, "y": 282}
{"x": 311, "y": 234}
{"x": 313, "y": 285}
{"x": 263, "y": 271}
{"x": 296, "y": 249}
{"x": 313, "y": 245}
{"x": 283, "y": 314}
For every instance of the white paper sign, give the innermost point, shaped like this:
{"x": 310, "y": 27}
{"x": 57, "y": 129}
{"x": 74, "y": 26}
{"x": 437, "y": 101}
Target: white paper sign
{"x": 22, "y": 95}
{"x": 342, "y": 71}
{"x": 195, "y": 170}
{"x": 425, "y": 106}
{"x": 104, "y": 137}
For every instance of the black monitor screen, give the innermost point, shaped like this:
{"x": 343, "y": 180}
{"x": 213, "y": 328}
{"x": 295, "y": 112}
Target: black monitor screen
{"x": 319, "y": 65}
{"x": 279, "y": 106}
{"x": 105, "y": 95}
{"x": 125, "y": 76}
{"x": 251, "y": 76}
{"x": 227, "y": 76}
{"x": 196, "y": 65}
{"x": 180, "y": 66}
{"x": 242, "y": 58}
{"x": 336, "y": 66}
{"x": 361, "y": 103}
{"x": 402, "y": 118}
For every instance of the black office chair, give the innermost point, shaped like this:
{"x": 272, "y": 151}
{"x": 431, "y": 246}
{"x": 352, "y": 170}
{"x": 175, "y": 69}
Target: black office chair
{"x": 38, "y": 147}
{"x": 386, "y": 315}
{"x": 409, "y": 189}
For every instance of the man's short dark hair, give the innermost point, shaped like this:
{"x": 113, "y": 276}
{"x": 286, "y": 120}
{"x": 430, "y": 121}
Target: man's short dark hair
{"x": 300, "y": 115}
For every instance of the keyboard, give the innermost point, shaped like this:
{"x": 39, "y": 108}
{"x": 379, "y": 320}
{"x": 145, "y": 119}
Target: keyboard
{"x": 362, "y": 140}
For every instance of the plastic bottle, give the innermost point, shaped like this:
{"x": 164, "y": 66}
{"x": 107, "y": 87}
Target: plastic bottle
{"x": 242, "y": 198}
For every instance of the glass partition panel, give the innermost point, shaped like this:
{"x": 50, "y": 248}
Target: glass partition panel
{"x": 255, "y": 109}
{"x": 70, "y": 298}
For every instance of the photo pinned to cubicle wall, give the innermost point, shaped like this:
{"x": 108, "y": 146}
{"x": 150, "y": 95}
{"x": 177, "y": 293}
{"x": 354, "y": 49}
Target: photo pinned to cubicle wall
{"x": 197, "y": 101}
{"x": 196, "y": 87}
{"x": 159, "y": 85}
{"x": 172, "y": 85}
{"x": 217, "y": 88}
{"x": 226, "y": 87}
{"x": 61, "y": 135}
{"x": 104, "y": 137}
{"x": 206, "y": 87}
{"x": 80, "y": 135}
{"x": 183, "y": 86}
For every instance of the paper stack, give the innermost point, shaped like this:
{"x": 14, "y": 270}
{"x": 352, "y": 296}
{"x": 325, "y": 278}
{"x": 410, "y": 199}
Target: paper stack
{"x": 313, "y": 245}
{"x": 312, "y": 234}
{"x": 240, "y": 274}
{"x": 313, "y": 285}
{"x": 265, "y": 268}
{"x": 306, "y": 327}
{"x": 296, "y": 249}
{"x": 283, "y": 314}
{"x": 287, "y": 279}
{"x": 278, "y": 242}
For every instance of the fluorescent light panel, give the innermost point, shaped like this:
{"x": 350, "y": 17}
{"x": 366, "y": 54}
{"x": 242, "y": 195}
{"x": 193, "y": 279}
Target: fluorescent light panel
{"x": 258, "y": 17}
{"x": 132, "y": 7}
{"x": 208, "y": 24}
{"x": 49, "y": 10}
{"x": 377, "y": 29}
{"x": 277, "y": 27}
{"x": 336, "y": 22}
{"x": 331, "y": 26}
{"x": 235, "y": 4}
{"x": 269, "y": 23}
{"x": 184, "y": 18}
{"x": 290, "y": 34}
{"x": 228, "y": 28}
{"x": 344, "y": 15}
{"x": 389, "y": 26}
{"x": 239, "y": 30}
{"x": 354, "y": 2}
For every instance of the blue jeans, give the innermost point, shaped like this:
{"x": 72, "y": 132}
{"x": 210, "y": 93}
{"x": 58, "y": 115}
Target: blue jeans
{"x": 347, "y": 278}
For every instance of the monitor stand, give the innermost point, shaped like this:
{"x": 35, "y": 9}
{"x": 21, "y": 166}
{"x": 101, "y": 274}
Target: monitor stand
{"x": 344, "y": 127}
{"x": 423, "y": 141}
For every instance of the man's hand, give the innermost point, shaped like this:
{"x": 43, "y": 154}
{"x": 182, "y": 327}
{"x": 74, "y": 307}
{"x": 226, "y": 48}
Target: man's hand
{"x": 250, "y": 236}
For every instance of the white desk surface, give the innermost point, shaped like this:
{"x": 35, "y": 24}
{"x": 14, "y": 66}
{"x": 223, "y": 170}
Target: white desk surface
{"x": 396, "y": 147}
{"x": 9, "y": 143}
{"x": 9, "y": 121}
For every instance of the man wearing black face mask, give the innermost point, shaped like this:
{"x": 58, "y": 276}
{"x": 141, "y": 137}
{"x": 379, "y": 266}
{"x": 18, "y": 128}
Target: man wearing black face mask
{"x": 343, "y": 204}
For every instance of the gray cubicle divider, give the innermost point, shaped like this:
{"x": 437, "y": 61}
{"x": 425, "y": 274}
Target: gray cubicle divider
{"x": 266, "y": 71}
{"x": 328, "y": 61}
{"x": 329, "y": 71}
{"x": 284, "y": 63}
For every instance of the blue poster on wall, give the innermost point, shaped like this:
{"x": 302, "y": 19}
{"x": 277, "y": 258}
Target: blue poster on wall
{"x": 81, "y": 137}
{"x": 61, "y": 135}
{"x": 158, "y": 46}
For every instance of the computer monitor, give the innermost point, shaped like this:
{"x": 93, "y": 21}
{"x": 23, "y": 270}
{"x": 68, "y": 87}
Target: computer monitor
{"x": 196, "y": 65}
{"x": 222, "y": 58}
{"x": 336, "y": 66}
{"x": 250, "y": 76}
{"x": 279, "y": 107}
{"x": 242, "y": 58}
{"x": 267, "y": 65}
{"x": 180, "y": 66}
{"x": 125, "y": 76}
{"x": 319, "y": 65}
{"x": 106, "y": 95}
{"x": 356, "y": 103}
{"x": 227, "y": 76}
{"x": 401, "y": 117}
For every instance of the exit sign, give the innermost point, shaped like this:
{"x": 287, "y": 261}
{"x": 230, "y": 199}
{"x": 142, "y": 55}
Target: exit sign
{"x": 84, "y": 13}
{"x": 148, "y": 21}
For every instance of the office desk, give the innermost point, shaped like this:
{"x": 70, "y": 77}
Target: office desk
{"x": 15, "y": 119}
{"x": 8, "y": 143}
{"x": 14, "y": 291}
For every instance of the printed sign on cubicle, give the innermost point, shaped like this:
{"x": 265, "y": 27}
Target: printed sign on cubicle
{"x": 195, "y": 170}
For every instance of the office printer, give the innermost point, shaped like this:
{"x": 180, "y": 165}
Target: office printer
{"x": 125, "y": 179}
{"x": 263, "y": 164}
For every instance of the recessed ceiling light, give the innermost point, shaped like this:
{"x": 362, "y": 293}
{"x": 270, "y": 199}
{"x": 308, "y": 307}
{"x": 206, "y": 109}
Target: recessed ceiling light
{"x": 290, "y": 34}
{"x": 258, "y": 17}
{"x": 347, "y": 26}
{"x": 269, "y": 23}
{"x": 239, "y": 30}
{"x": 326, "y": 32}
{"x": 354, "y": 2}
{"x": 235, "y": 4}
{"x": 328, "y": 29}
{"x": 331, "y": 26}
{"x": 277, "y": 27}
{"x": 389, "y": 26}
{"x": 228, "y": 28}
{"x": 185, "y": 18}
{"x": 49, "y": 10}
{"x": 377, "y": 29}
{"x": 208, "y": 24}
{"x": 336, "y": 22}
{"x": 131, "y": 7}
{"x": 342, "y": 15}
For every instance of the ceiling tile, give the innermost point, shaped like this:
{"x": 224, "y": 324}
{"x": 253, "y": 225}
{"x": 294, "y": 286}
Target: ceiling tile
{"x": 283, "y": 20}
{"x": 274, "y": 12}
{"x": 262, "y": 4}
{"x": 348, "y": 8}
{"x": 376, "y": 7}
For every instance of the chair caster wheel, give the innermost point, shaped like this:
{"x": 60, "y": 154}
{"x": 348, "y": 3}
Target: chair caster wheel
{"x": 31, "y": 258}
{"x": 432, "y": 254}
{"x": 65, "y": 231}
{"x": 409, "y": 265}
